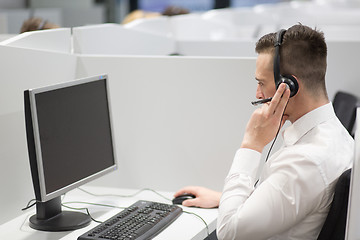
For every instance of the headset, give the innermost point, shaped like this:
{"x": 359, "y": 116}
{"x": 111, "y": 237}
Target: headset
{"x": 290, "y": 80}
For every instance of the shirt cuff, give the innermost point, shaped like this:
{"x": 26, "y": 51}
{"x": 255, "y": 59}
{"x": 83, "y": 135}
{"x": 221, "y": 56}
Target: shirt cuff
{"x": 246, "y": 161}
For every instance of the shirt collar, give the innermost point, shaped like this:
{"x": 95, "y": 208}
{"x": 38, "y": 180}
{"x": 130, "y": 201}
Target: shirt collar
{"x": 307, "y": 122}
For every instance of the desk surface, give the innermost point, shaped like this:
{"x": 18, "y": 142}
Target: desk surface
{"x": 187, "y": 226}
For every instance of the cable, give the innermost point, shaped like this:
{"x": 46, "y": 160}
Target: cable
{"x": 87, "y": 211}
{"x": 124, "y": 196}
{"x": 29, "y": 205}
{"x": 206, "y": 225}
{"x": 277, "y": 133}
{"x": 94, "y": 204}
{"x": 272, "y": 144}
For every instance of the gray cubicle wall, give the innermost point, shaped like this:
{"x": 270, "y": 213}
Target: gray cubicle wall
{"x": 178, "y": 120}
{"x": 22, "y": 69}
{"x": 342, "y": 70}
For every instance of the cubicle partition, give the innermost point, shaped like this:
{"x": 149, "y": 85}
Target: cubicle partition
{"x": 342, "y": 67}
{"x": 114, "y": 39}
{"x": 159, "y": 25}
{"x": 54, "y": 40}
{"x": 228, "y": 48}
{"x": 178, "y": 120}
{"x": 22, "y": 69}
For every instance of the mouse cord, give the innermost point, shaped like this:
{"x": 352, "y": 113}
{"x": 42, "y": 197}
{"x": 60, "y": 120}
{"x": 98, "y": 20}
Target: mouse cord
{"x": 207, "y": 226}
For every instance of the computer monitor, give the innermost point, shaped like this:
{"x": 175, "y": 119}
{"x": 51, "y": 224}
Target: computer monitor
{"x": 70, "y": 142}
{"x": 353, "y": 216}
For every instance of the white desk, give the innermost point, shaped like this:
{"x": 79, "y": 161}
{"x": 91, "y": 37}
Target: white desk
{"x": 187, "y": 226}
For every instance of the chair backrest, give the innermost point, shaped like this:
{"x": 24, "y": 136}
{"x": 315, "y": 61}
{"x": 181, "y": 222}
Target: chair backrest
{"x": 335, "y": 223}
{"x": 345, "y": 109}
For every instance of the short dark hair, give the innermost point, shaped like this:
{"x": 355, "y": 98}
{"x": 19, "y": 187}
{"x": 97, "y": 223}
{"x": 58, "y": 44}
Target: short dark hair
{"x": 303, "y": 54}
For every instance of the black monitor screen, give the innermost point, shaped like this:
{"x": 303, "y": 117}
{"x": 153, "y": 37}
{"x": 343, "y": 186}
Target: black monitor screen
{"x": 74, "y": 139}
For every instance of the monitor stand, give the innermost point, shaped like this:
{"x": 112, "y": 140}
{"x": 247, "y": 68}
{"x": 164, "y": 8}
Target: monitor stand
{"x": 50, "y": 217}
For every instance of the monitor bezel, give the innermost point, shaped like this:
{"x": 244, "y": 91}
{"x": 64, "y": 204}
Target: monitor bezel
{"x": 39, "y": 160}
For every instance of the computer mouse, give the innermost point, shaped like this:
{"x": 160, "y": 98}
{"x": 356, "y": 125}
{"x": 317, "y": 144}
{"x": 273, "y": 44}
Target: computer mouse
{"x": 179, "y": 199}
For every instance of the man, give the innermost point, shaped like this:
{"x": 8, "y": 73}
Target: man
{"x": 295, "y": 190}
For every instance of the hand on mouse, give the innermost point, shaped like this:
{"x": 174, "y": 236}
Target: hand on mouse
{"x": 205, "y": 198}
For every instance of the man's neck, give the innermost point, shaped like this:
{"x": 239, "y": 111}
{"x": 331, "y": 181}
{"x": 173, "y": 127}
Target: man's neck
{"x": 305, "y": 105}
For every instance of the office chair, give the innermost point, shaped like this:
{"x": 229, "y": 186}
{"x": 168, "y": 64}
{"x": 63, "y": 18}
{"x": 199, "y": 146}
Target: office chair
{"x": 335, "y": 223}
{"x": 345, "y": 105}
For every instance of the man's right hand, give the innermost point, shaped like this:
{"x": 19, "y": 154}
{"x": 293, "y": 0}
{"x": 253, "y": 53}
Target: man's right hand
{"x": 205, "y": 198}
{"x": 265, "y": 121}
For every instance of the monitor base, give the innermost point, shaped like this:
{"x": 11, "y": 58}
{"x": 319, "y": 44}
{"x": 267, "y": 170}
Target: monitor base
{"x": 64, "y": 221}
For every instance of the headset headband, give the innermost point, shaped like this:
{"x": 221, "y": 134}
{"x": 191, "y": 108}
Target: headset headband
{"x": 279, "y": 38}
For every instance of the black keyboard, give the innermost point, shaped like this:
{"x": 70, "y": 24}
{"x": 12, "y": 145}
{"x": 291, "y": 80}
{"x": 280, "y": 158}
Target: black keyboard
{"x": 142, "y": 220}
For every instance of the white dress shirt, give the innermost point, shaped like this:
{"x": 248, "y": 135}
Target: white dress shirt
{"x": 296, "y": 184}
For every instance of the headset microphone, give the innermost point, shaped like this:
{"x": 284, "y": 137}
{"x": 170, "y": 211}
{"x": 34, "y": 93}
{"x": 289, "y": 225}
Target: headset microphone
{"x": 261, "y": 101}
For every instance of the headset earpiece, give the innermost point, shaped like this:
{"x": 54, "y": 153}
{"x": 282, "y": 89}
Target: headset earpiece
{"x": 288, "y": 79}
{"x": 291, "y": 82}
